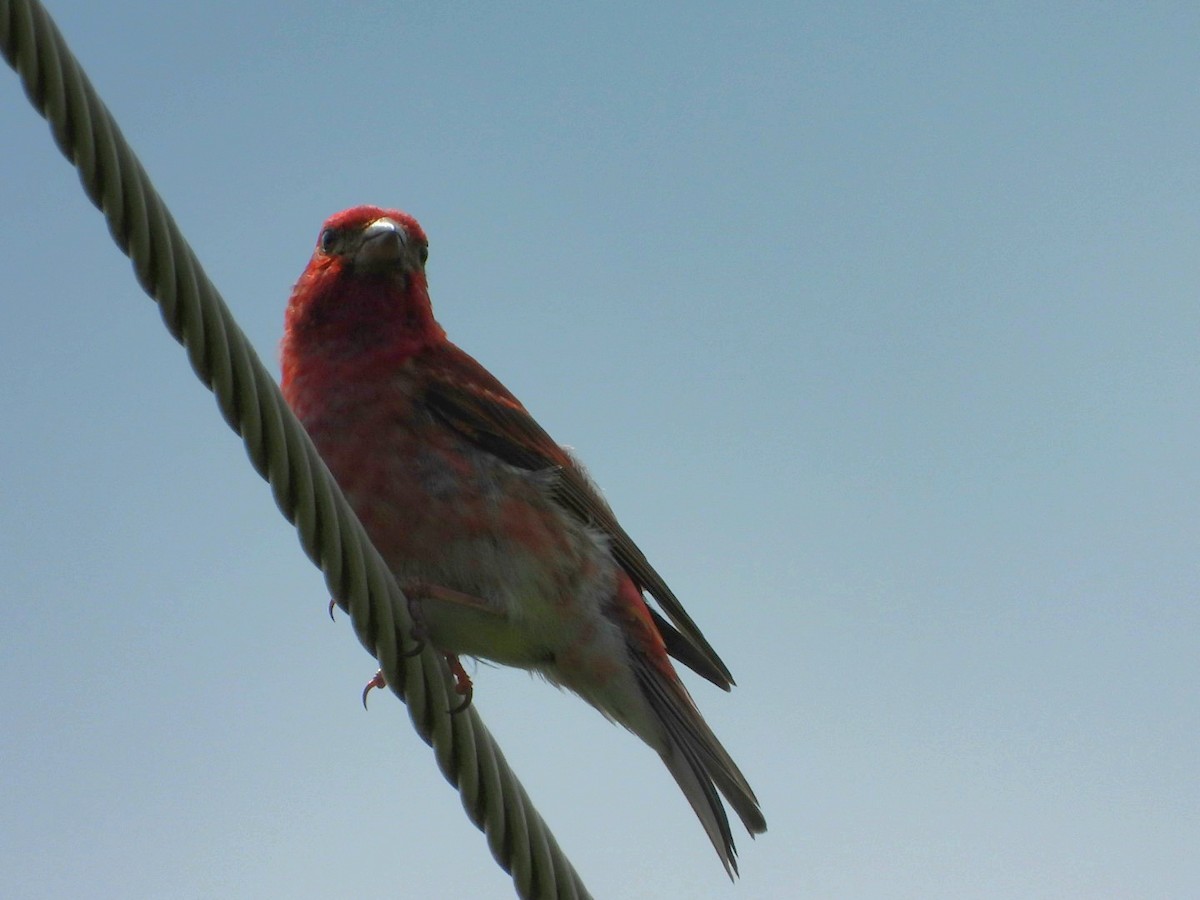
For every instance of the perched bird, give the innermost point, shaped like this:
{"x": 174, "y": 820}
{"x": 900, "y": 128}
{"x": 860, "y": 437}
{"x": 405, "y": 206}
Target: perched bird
{"x": 506, "y": 549}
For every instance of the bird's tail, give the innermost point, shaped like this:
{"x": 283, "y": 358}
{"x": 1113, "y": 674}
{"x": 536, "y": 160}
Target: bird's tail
{"x": 699, "y": 763}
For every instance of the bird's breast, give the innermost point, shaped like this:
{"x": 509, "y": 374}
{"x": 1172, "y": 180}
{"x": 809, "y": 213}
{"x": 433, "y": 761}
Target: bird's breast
{"x": 442, "y": 510}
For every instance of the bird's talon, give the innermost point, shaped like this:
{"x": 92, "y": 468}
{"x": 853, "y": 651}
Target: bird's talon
{"x": 466, "y": 701}
{"x": 332, "y": 604}
{"x": 462, "y": 683}
{"x": 377, "y": 681}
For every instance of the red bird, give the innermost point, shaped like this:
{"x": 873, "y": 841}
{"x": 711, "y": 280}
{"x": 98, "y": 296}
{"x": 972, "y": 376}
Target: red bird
{"x": 505, "y": 547}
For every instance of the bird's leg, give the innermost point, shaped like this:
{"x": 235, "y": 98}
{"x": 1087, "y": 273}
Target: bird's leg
{"x": 418, "y": 591}
{"x": 423, "y": 590}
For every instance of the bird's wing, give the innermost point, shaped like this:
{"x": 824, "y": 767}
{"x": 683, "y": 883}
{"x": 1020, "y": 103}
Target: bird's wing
{"x": 468, "y": 399}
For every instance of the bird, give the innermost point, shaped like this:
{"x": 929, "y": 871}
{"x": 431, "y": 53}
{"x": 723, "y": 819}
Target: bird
{"x": 506, "y": 548}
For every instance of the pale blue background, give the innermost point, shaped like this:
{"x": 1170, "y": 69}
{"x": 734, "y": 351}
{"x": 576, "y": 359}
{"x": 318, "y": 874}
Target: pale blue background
{"x": 878, "y": 324}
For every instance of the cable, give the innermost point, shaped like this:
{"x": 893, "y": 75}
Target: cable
{"x": 280, "y": 450}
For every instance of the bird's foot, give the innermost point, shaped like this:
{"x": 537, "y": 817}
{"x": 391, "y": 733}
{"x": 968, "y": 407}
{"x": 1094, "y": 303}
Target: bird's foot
{"x": 418, "y": 592}
{"x": 462, "y": 683}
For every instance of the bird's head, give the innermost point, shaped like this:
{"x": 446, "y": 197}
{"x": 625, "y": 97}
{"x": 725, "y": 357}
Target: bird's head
{"x": 364, "y": 289}
{"x": 369, "y": 242}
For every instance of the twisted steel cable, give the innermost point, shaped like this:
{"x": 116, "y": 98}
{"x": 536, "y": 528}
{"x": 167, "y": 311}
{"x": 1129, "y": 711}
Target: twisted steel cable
{"x": 280, "y": 450}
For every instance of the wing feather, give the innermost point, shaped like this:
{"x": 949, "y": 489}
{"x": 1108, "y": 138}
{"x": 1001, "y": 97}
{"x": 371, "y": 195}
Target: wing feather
{"x": 468, "y": 399}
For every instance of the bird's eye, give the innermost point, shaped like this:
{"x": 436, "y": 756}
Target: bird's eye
{"x": 424, "y": 254}
{"x": 329, "y": 240}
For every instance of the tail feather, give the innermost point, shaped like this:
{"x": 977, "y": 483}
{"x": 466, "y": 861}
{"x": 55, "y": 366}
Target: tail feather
{"x": 699, "y": 764}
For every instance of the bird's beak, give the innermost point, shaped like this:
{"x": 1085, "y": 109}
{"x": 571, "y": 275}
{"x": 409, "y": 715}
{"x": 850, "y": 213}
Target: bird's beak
{"x": 381, "y": 245}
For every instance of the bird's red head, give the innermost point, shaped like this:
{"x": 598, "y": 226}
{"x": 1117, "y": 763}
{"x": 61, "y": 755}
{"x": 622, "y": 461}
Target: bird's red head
{"x": 363, "y": 294}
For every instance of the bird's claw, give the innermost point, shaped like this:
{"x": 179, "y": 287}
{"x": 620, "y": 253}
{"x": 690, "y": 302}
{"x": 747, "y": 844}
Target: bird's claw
{"x": 415, "y": 591}
{"x": 377, "y": 681}
{"x": 462, "y": 683}
{"x": 417, "y": 613}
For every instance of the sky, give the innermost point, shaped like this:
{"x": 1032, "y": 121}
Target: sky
{"x": 876, "y": 323}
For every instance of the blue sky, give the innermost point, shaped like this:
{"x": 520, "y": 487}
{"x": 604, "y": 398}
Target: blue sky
{"x": 877, "y": 325}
